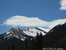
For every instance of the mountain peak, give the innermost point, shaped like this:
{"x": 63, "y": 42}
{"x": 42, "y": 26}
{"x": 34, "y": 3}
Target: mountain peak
{"x": 23, "y": 34}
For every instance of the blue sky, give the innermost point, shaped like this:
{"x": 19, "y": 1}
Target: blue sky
{"x": 47, "y": 10}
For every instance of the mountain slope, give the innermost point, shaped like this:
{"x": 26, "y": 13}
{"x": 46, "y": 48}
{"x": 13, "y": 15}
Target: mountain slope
{"x": 22, "y": 34}
{"x": 56, "y": 37}
{"x": 18, "y": 39}
{"x": 23, "y": 39}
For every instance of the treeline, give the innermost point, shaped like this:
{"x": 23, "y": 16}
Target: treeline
{"x": 37, "y": 43}
{"x": 33, "y": 44}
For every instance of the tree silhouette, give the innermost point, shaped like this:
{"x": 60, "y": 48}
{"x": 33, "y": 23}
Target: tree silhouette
{"x": 39, "y": 41}
{"x": 13, "y": 47}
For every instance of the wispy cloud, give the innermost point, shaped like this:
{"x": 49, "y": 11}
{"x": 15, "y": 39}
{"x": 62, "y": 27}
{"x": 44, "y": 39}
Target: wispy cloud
{"x": 63, "y": 4}
{"x": 32, "y": 22}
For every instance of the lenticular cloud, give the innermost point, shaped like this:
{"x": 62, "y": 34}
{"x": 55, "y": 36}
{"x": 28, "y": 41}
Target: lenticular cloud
{"x": 32, "y": 22}
{"x": 25, "y": 21}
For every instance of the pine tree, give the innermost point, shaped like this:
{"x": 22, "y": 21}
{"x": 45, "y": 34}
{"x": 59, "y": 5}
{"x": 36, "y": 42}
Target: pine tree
{"x": 39, "y": 41}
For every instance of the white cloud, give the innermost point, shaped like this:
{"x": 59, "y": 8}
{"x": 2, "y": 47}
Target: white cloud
{"x": 32, "y": 22}
{"x": 25, "y": 21}
{"x": 56, "y": 22}
{"x": 63, "y": 4}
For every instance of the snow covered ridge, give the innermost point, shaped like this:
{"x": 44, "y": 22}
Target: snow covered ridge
{"x": 24, "y": 34}
{"x": 33, "y": 31}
